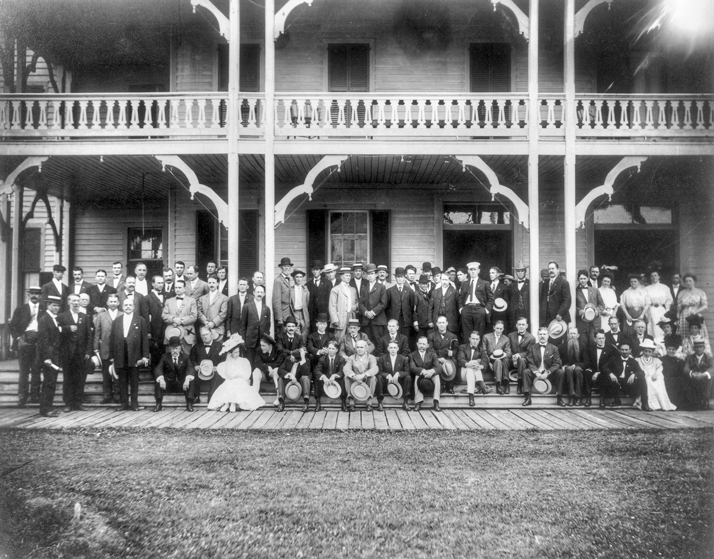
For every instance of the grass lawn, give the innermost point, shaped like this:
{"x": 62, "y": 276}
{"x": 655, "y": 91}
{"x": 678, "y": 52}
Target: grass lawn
{"x": 165, "y": 493}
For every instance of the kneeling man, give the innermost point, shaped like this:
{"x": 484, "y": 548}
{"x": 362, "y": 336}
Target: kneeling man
{"x": 172, "y": 375}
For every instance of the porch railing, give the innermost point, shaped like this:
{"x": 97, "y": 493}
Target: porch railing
{"x": 343, "y": 115}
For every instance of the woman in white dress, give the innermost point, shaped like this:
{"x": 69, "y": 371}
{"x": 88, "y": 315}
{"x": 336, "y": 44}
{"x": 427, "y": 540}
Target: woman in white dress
{"x": 634, "y": 303}
{"x": 609, "y": 297}
{"x": 652, "y": 367}
{"x": 660, "y": 302}
{"x": 236, "y": 390}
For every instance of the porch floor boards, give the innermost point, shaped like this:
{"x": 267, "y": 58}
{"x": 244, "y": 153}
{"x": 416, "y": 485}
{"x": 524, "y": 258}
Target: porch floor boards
{"x": 388, "y": 420}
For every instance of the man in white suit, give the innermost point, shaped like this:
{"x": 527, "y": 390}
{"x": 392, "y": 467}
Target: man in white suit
{"x": 343, "y": 304}
{"x": 181, "y": 312}
{"x": 212, "y": 309}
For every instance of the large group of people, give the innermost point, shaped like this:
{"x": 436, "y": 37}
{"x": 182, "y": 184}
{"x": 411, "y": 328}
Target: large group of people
{"x": 353, "y": 334}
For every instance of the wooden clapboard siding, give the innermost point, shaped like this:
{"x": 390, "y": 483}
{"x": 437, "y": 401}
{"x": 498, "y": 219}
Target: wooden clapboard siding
{"x": 184, "y": 210}
{"x": 291, "y": 239}
{"x": 552, "y": 231}
{"x": 195, "y": 62}
{"x": 101, "y": 234}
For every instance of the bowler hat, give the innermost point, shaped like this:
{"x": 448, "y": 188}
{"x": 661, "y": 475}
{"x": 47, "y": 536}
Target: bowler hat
{"x": 285, "y": 262}
{"x": 267, "y": 338}
{"x": 360, "y": 391}
{"x": 174, "y": 341}
{"x": 426, "y": 385}
{"x": 291, "y": 320}
{"x": 542, "y": 386}
{"x": 424, "y": 278}
{"x": 298, "y": 273}
{"x": 332, "y": 390}
{"x": 557, "y": 329}
{"x": 395, "y": 390}
{"x": 316, "y": 265}
{"x": 322, "y": 317}
{"x": 435, "y": 270}
{"x": 500, "y": 305}
{"x": 370, "y": 268}
{"x": 426, "y": 267}
{"x": 293, "y": 391}
{"x": 357, "y": 265}
{"x": 448, "y": 370}
{"x": 399, "y": 272}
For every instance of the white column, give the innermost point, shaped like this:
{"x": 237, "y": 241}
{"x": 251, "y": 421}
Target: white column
{"x": 569, "y": 203}
{"x": 233, "y": 159}
{"x": 269, "y": 149}
{"x": 533, "y": 128}
{"x": 15, "y": 290}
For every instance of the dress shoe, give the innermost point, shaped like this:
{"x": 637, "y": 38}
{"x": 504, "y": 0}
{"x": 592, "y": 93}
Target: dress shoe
{"x": 506, "y": 387}
{"x": 158, "y": 407}
{"x": 602, "y": 403}
{"x": 318, "y": 406}
{"x": 499, "y": 390}
{"x": 617, "y": 402}
{"x": 527, "y": 401}
{"x": 67, "y": 409}
{"x": 21, "y": 404}
{"x": 519, "y": 389}
{"x": 472, "y": 403}
{"x": 352, "y": 408}
{"x": 570, "y": 401}
{"x": 450, "y": 390}
{"x": 380, "y": 407}
{"x": 189, "y": 407}
{"x": 587, "y": 403}
{"x": 135, "y": 408}
{"x": 106, "y": 401}
{"x": 197, "y": 400}
{"x": 281, "y": 405}
{"x": 646, "y": 408}
{"x": 80, "y": 407}
{"x": 344, "y": 407}
{"x": 306, "y": 407}
{"x": 437, "y": 407}
{"x": 52, "y": 413}
{"x": 560, "y": 402}
{"x": 417, "y": 407}
{"x": 369, "y": 407}
{"x": 406, "y": 407}
{"x": 487, "y": 390}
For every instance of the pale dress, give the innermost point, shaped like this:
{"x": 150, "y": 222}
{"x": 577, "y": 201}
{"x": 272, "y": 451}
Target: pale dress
{"x": 657, "y": 397}
{"x": 236, "y": 389}
{"x": 633, "y": 299}
{"x": 689, "y": 300}
{"x": 609, "y": 298}
{"x": 661, "y": 299}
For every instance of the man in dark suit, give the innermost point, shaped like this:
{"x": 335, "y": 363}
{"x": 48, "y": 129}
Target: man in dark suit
{"x": 475, "y": 302}
{"x": 675, "y": 289}
{"x": 498, "y": 288}
{"x": 445, "y": 344}
{"x": 206, "y": 349}
{"x": 172, "y": 374}
{"x": 76, "y": 342}
{"x": 555, "y": 297}
{"x": 358, "y": 281}
{"x": 472, "y": 361}
{"x": 102, "y": 347}
{"x": 318, "y": 340}
{"x": 424, "y": 364}
{"x": 445, "y": 302}
{"x": 49, "y": 353}
{"x": 257, "y": 279}
{"x": 519, "y": 300}
{"x": 155, "y": 303}
{"x": 24, "y": 327}
{"x": 586, "y": 295}
{"x": 543, "y": 362}
{"x": 55, "y": 287}
{"x": 78, "y": 285}
{"x": 313, "y": 284}
{"x": 325, "y": 288}
{"x": 615, "y": 337}
{"x": 99, "y": 292}
{"x": 329, "y": 367}
{"x": 400, "y": 304}
{"x": 372, "y": 304}
{"x": 234, "y": 309}
{"x": 141, "y": 307}
{"x": 291, "y": 344}
{"x": 640, "y": 336}
{"x": 698, "y": 370}
{"x": 169, "y": 290}
{"x": 129, "y": 349}
{"x": 422, "y": 318}
{"x": 598, "y": 356}
{"x": 394, "y": 368}
{"x": 521, "y": 341}
{"x": 255, "y": 322}
{"x": 623, "y": 372}
{"x": 393, "y": 335}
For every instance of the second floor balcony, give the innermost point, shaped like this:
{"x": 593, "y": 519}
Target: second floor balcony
{"x": 462, "y": 116}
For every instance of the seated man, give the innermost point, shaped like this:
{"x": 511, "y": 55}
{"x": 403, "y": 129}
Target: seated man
{"x": 424, "y": 363}
{"x": 329, "y": 367}
{"x": 493, "y": 342}
{"x": 394, "y": 368}
{"x": 393, "y": 334}
{"x": 543, "y": 362}
{"x": 318, "y": 340}
{"x": 521, "y": 340}
{"x": 472, "y": 361}
{"x": 173, "y": 375}
{"x": 623, "y": 372}
{"x": 597, "y": 357}
{"x": 614, "y": 337}
{"x": 348, "y": 343}
{"x": 296, "y": 365}
{"x": 573, "y": 356}
{"x": 638, "y": 337}
{"x": 445, "y": 344}
{"x": 206, "y": 349}
{"x": 361, "y": 366}
{"x": 698, "y": 369}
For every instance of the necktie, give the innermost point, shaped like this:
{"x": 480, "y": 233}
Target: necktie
{"x": 473, "y": 291}
{"x": 34, "y": 311}
{"x": 332, "y": 365}
{"x": 493, "y": 286}
{"x": 175, "y": 362}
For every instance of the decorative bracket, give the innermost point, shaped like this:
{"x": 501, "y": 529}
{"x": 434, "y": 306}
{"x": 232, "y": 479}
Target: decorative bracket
{"x": 605, "y": 189}
{"x": 196, "y": 187}
{"x": 223, "y": 22}
{"x": 497, "y": 188}
{"x": 583, "y": 13}
{"x": 523, "y": 20}
{"x": 41, "y": 196}
{"x": 283, "y": 14}
{"x": 7, "y": 187}
{"x": 306, "y": 188}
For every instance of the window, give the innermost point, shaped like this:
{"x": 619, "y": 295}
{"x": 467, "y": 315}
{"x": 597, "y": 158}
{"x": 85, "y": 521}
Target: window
{"x": 476, "y": 214}
{"x": 249, "y": 67}
{"x": 349, "y": 237}
{"x": 489, "y": 72}
{"x": 633, "y": 214}
{"x": 348, "y": 67}
{"x": 147, "y": 246}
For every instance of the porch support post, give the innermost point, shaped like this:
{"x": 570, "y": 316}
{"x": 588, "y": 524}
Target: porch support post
{"x": 233, "y": 224}
{"x": 15, "y": 258}
{"x": 533, "y": 128}
{"x": 269, "y": 215}
{"x": 571, "y": 261}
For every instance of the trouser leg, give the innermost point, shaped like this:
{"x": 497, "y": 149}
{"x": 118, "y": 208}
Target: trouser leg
{"x": 406, "y": 382}
{"x": 123, "y": 375}
{"x": 49, "y": 385}
{"x": 27, "y": 354}
{"x": 528, "y": 378}
{"x": 498, "y": 369}
{"x": 134, "y": 386}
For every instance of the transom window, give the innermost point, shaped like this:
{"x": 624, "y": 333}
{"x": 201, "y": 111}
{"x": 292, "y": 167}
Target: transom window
{"x": 349, "y": 237}
{"x": 633, "y": 214}
{"x": 476, "y": 214}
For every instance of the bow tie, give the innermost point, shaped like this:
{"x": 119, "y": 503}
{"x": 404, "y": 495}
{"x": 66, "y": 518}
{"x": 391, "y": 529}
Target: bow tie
{"x": 521, "y": 281}
{"x": 179, "y": 298}
{"x": 542, "y": 345}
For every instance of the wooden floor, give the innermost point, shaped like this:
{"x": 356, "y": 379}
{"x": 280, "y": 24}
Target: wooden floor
{"x": 388, "y": 420}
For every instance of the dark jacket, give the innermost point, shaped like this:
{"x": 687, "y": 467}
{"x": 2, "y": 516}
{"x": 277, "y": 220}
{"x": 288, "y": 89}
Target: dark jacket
{"x": 555, "y": 300}
{"x": 137, "y": 342}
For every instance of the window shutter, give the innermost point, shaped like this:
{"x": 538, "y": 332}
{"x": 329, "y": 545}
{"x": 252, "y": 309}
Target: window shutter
{"x": 380, "y": 238}
{"x": 338, "y": 68}
{"x": 490, "y": 67}
{"x": 348, "y": 67}
{"x": 250, "y": 68}
{"x": 316, "y": 236}
{"x": 205, "y": 239}
{"x": 31, "y": 250}
{"x": 248, "y": 243}
{"x": 359, "y": 67}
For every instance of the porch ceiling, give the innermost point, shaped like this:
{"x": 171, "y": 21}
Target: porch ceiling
{"x": 123, "y": 179}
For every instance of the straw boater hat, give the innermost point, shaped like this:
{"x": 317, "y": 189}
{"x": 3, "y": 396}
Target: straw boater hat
{"x": 557, "y": 329}
{"x": 500, "y": 305}
{"x": 395, "y": 390}
{"x": 498, "y": 354}
{"x": 360, "y": 391}
{"x": 473, "y": 265}
{"x": 53, "y": 299}
{"x": 231, "y": 343}
{"x": 329, "y": 268}
{"x": 332, "y": 390}
{"x": 205, "y": 369}
{"x": 648, "y": 344}
{"x": 173, "y": 332}
{"x": 382, "y": 268}
{"x": 542, "y": 386}
{"x": 448, "y": 370}
{"x": 589, "y": 312}
{"x": 293, "y": 391}
{"x": 353, "y": 322}
{"x": 34, "y": 289}
{"x": 357, "y": 265}
{"x": 698, "y": 341}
